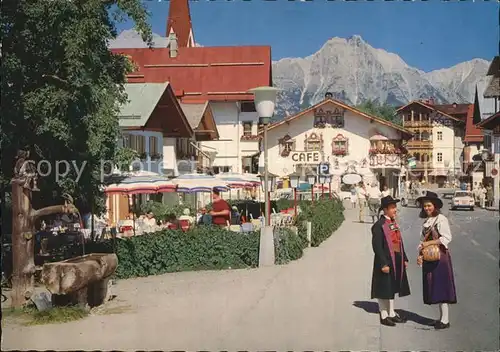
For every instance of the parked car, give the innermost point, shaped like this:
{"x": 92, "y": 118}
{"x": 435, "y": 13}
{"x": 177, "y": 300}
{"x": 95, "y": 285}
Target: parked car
{"x": 410, "y": 197}
{"x": 462, "y": 200}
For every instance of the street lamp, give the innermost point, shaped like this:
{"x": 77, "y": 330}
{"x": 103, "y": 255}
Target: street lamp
{"x": 328, "y": 180}
{"x": 271, "y": 182}
{"x": 294, "y": 183}
{"x": 265, "y": 100}
{"x": 322, "y": 181}
{"x": 311, "y": 179}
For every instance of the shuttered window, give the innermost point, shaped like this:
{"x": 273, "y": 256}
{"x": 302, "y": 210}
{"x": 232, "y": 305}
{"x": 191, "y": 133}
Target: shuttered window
{"x": 153, "y": 145}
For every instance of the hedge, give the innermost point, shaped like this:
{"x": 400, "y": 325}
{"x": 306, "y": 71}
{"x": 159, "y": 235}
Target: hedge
{"x": 326, "y": 216}
{"x": 211, "y": 247}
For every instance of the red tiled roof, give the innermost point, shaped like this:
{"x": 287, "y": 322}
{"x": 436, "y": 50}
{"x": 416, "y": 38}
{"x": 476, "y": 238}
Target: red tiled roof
{"x": 472, "y": 132}
{"x": 179, "y": 18}
{"x": 454, "y": 109}
{"x": 205, "y": 73}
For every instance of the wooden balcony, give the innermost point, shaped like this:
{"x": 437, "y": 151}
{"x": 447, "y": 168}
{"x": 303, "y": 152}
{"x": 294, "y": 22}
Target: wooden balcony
{"x": 413, "y": 124}
{"x": 419, "y": 144}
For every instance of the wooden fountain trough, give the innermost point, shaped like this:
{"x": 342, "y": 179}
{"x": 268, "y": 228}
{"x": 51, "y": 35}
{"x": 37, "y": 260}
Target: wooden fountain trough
{"x": 82, "y": 280}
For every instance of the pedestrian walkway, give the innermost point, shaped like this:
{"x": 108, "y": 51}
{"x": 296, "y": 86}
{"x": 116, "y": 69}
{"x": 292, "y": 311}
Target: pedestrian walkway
{"x": 307, "y": 304}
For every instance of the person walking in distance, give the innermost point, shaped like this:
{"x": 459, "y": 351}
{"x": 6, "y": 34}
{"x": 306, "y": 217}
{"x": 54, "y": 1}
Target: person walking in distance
{"x": 362, "y": 195}
{"x": 437, "y": 272}
{"x": 353, "y": 197}
{"x": 389, "y": 264}
{"x": 482, "y": 196}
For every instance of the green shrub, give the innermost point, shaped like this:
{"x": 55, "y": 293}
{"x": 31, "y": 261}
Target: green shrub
{"x": 203, "y": 248}
{"x": 211, "y": 247}
{"x": 160, "y": 210}
{"x": 326, "y": 216}
{"x": 287, "y": 245}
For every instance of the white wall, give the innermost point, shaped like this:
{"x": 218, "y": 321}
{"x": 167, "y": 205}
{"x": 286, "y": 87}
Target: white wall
{"x": 229, "y": 148}
{"x": 169, "y": 156}
{"x": 450, "y": 147}
{"x": 148, "y": 164}
{"x": 357, "y": 129}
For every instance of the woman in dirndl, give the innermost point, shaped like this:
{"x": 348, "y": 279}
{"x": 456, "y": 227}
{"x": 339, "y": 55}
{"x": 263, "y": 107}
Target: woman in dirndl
{"x": 438, "y": 279}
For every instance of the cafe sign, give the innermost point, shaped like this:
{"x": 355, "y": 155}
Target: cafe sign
{"x": 306, "y": 157}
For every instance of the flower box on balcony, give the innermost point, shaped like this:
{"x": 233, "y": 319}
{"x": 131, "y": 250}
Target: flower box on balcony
{"x": 156, "y": 156}
{"x": 339, "y": 152}
{"x": 374, "y": 151}
{"x": 250, "y": 138}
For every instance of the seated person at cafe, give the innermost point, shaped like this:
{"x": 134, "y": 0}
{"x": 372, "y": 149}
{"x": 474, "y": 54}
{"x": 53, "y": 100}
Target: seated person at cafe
{"x": 235, "y": 216}
{"x": 221, "y": 211}
{"x": 204, "y": 218}
{"x": 150, "y": 222}
{"x": 186, "y": 215}
{"x": 172, "y": 222}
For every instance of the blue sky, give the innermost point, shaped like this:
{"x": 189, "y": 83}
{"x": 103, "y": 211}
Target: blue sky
{"x": 427, "y": 35}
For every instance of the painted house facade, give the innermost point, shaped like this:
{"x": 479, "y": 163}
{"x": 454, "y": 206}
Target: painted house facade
{"x": 491, "y": 129}
{"x": 348, "y": 139}
{"x": 437, "y": 144}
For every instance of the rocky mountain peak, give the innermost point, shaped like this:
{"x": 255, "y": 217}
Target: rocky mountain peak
{"x": 354, "y": 71}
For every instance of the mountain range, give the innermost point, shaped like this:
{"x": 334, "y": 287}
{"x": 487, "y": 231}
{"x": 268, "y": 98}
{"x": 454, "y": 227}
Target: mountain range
{"x": 354, "y": 71}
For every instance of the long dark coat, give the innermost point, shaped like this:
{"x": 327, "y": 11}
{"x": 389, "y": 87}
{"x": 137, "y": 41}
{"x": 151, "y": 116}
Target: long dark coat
{"x": 384, "y": 285}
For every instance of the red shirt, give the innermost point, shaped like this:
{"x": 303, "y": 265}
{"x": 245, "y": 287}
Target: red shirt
{"x": 395, "y": 233}
{"x": 217, "y": 206}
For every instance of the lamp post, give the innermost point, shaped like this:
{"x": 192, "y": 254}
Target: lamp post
{"x": 328, "y": 179}
{"x": 268, "y": 186}
{"x": 322, "y": 181}
{"x": 294, "y": 183}
{"x": 311, "y": 179}
{"x": 265, "y": 100}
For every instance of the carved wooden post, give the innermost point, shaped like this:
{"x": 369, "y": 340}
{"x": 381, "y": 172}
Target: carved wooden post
{"x": 23, "y": 228}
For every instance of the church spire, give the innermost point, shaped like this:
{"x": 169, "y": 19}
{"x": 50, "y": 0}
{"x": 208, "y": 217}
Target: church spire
{"x": 179, "y": 22}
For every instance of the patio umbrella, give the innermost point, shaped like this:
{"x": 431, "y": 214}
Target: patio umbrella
{"x": 141, "y": 182}
{"x": 192, "y": 183}
{"x": 235, "y": 180}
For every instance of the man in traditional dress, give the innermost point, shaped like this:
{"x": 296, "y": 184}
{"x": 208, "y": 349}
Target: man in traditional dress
{"x": 389, "y": 264}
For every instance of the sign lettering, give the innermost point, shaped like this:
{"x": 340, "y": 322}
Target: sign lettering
{"x": 306, "y": 157}
{"x": 324, "y": 168}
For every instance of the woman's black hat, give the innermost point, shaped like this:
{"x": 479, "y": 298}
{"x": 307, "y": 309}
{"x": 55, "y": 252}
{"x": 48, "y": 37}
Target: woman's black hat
{"x": 386, "y": 201}
{"x": 430, "y": 197}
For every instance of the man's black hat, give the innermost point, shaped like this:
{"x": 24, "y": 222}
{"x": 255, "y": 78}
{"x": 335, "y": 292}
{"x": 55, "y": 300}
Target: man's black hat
{"x": 386, "y": 201}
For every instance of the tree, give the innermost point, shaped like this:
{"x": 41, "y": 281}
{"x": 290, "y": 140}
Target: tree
{"x": 61, "y": 87}
{"x": 384, "y": 111}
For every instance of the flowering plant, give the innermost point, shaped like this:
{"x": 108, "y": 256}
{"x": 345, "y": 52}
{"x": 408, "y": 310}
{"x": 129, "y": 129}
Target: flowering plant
{"x": 339, "y": 152}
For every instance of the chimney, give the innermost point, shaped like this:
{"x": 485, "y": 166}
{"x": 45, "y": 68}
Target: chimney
{"x": 172, "y": 44}
{"x": 431, "y": 101}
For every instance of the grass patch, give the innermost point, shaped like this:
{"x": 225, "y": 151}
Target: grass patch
{"x": 31, "y": 316}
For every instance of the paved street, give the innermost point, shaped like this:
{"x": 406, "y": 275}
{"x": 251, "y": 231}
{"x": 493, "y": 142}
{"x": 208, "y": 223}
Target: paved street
{"x": 317, "y": 303}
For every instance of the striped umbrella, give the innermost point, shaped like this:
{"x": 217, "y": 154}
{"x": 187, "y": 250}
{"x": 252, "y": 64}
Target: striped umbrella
{"x": 235, "y": 180}
{"x": 192, "y": 183}
{"x": 141, "y": 182}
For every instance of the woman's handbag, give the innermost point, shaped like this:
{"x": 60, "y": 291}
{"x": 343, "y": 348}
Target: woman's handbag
{"x": 431, "y": 253}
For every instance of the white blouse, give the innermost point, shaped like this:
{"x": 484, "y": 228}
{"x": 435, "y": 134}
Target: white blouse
{"x": 443, "y": 227}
